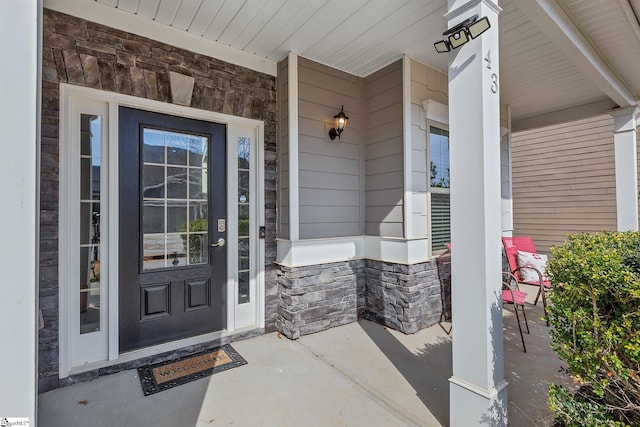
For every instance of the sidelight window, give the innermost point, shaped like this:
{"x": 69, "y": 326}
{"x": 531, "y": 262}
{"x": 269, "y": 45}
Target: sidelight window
{"x": 244, "y": 159}
{"x": 90, "y": 148}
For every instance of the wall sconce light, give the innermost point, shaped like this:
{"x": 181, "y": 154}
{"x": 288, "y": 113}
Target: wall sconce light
{"x": 340, "y": 123}
{"x": 460, "y": 34}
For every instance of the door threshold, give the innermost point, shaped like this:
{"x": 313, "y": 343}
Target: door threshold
{"x": 130, "y": 356}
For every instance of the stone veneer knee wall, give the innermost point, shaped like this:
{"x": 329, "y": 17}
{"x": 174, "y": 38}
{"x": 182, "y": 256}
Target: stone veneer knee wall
{"x": 404, "y": 297}
{"x": 407, "y": 297}
{"x": 84, "y": 53}
{"x": 318, "y": 297}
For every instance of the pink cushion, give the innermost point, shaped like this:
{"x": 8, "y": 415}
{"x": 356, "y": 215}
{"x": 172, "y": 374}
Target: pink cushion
{"x": 520, "y": 243}
{"x": 519, "y": 296}
{"x": 546, "y": 282}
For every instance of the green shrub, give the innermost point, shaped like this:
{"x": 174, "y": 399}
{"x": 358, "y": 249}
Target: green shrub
{"x": 595, "y": 318}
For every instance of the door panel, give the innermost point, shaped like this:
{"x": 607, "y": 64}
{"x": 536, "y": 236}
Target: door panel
{"x": 172, "y": 281}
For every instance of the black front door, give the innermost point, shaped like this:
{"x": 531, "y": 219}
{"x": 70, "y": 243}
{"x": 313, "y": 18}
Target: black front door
{"x": 172, "y": 202}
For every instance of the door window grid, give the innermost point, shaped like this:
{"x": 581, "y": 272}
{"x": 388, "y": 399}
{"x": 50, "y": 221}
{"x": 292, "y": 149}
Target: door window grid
{"x": 244, "y": 159}
{"x": 175, "y": 199}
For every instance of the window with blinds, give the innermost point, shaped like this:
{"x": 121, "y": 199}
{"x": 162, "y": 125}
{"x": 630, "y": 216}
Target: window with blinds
{"x": 439, "y": 188}
{"x": 440, "y": 221}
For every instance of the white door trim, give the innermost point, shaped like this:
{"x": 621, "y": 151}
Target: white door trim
{"x": 70, "y": 98}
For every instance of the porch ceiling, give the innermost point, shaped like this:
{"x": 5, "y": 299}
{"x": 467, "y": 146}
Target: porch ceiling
{"x": 539, "y": 74}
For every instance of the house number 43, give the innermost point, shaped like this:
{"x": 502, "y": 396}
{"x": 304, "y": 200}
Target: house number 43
{"x": 494, "y": 76}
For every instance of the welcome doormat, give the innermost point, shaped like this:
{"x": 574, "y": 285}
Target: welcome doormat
{"x": 165, "y": 375}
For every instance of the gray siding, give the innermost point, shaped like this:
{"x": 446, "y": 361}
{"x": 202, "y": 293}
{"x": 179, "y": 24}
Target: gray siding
{"x": 283, "y": 151}
{"x": 384, "y": 152}
{"x": 329, "y": 171}
{"x": 564, "y": 180}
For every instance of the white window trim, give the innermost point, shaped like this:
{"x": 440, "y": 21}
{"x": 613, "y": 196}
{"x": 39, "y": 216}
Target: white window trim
{"x": 430, "y": 189}
{"x": 437, "y": 115}
{"x": 72, "y": 344}
{"x": 252, "y": 313}
{"x": 108, "y": 103}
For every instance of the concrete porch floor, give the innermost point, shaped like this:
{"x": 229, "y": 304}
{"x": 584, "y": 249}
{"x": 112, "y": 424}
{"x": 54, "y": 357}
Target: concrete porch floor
{"x": 361, "y": 374}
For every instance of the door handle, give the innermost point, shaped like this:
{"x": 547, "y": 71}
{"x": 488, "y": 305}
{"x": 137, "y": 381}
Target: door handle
{"x": 221, "y": 242}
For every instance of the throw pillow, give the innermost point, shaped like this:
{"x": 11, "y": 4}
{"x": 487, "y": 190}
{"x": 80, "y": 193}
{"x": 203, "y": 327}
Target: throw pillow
{"x": 537, "y": 261}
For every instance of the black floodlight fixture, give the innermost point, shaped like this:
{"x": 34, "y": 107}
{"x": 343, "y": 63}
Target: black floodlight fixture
{"x": 460, "y": 34}
{"x": 479, "y": 27}
{"x": 340, "y": 123}
{"x": 442, "y": 46}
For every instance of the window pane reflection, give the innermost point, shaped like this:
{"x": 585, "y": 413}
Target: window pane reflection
{"x": 439, "y": 161}
{"x": 90, "y": 285}
{"x": 175, "y": 215}
{"x": 243, "y": 186}
{"x": 244, "y": 147}
{"x": 244, "y": 260}
{"x": 243, "y": 287}
{"x": 177, "y": 183}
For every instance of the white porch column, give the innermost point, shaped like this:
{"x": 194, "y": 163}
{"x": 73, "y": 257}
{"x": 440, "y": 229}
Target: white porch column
{"x": 20, "y": 37}
{"x": 478, "y": 388}
{"x": 625, "y": 122}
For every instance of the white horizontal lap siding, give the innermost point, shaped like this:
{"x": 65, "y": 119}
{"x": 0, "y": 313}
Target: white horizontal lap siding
{"x": 564, "y": 180}
{"x": 283, "y": 149}
{"x": 426, "y": 83}
{"x": 329, "y": 171}
{"x": 384, "y": 177}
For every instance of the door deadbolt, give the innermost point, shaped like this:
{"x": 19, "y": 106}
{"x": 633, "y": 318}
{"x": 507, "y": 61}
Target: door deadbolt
{"x": 220, "y": 243}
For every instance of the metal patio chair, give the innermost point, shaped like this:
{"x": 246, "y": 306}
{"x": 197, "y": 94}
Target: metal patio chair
{"x": 524, "y": 244}
{"x": 511, "y": 294}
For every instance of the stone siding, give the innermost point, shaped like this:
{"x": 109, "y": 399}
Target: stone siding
{"x": 444, "y": 274}
{"x": 83, "y": 53}
{"x": 318, "y": 297}
{"x": 406, "y": 297}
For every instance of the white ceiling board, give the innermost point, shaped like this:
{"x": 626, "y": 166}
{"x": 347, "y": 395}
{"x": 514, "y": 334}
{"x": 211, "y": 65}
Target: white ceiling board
{"x": 208, "y": 10}
{"x": 554, "y": 22}
{"x": 223, "y": 18}
{"x": 537, "y": 72}
{"x": 536, "y": 77}
{"x": 167, "y": 11}
{"x": 611, "y": 33}
{"x": 334, "y": 41}
{"x": 241, "y": 21}
{"x": 128, "y": 5}
{"x": 413, "y": 29}
{"x": 261, "y": 20}
{"x": 282, "y": 42}
{"x": 276, "y": 30}
{"x": 383, "y": 24}
{"x": 324, "y": 23}
{"x": 112, "y": 3}
{"x": 186, "y": 14}
{"x": 148, "y": 8}
{"x": 315, "y": 28}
